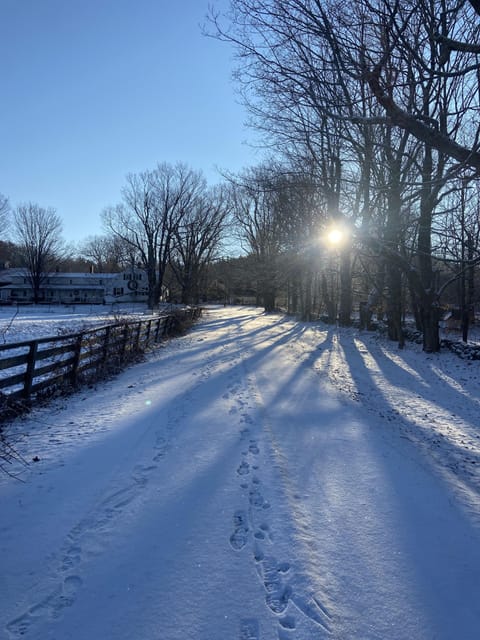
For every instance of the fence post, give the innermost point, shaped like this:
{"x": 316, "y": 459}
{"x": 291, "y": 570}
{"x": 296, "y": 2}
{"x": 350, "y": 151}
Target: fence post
{"x": 32, "y": 354}
{"x": 76, "y": 358}
{"x": 157, "y": 328}
{"x": 106, "y": 345}
{"x": 147, "y": 337}
{"x": 166, "y": 326}
{"x": 124, "y": 345}
{"x": 137, "y": 339}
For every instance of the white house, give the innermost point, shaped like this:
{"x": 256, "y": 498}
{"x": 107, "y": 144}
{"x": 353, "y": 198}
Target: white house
{"x": 70, "y": 288}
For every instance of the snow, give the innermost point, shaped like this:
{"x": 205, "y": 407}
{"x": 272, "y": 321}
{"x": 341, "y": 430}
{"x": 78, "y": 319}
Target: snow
{"x": 256, "y": 479}
{"x": 29, "y": 322}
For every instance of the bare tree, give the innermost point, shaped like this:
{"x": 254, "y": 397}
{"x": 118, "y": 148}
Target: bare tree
{"x": 410, "y": 64}
{"x": 106, "y": 253}
{"x": 257, "y": 213}
{"x": 325, "y": 78}
{"x": 154, "y": 204}
{"x": 457, "y": 237}
{"x": 300, "y": 99}
{"x": 443, "y": 38}
{"x": 197, "y": 239}
{"x": 4, "y": 217}
{"x": 37, "y": 232}
{"x": 178, "y": 190}
{"x": 136, "y": 222}
{"x": 302, "y": 212}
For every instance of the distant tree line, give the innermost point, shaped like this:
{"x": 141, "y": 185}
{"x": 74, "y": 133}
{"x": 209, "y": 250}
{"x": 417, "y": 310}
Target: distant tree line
{"x": 168, "y": 222}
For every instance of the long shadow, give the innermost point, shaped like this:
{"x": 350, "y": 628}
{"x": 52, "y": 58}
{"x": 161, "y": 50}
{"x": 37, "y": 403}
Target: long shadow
{"x": 403, "y": 515}
{"x": 260, "y": 339}
{"x": 409, "y": 529}
{"x": 399, "y": 376}
{"x": 423, "y": 433}
{"x": 238, "y": 345}
{"x": 252, "y": 346}
{"x": 252, "y": 338}
{"x": 413, "y": 523}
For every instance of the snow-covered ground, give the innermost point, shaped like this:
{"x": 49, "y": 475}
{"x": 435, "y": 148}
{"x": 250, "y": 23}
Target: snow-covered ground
{"x": 29, "y": 322}
{"x": 257, "y": 479}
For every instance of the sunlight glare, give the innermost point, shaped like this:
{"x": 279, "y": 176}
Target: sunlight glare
{"x": 335, "y": 237}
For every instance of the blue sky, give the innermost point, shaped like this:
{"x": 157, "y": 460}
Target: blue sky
{"x": 95, "y": 89}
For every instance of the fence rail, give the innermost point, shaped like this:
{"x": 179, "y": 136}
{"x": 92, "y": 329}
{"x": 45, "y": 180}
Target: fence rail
{"x": 32, "y": 367}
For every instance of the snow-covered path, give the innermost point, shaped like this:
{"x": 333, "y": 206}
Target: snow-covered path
{"x": 225, "y": 489}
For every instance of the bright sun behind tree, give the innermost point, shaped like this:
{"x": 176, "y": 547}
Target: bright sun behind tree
{"x": 335, "y": 237}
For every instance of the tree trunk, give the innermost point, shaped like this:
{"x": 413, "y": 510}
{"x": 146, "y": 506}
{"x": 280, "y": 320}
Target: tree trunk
{"x": 465, "y": 324}
{"x": 415, "y": 308}
{"x": 365, "y": 313}
{"x": 328, "y": 301}
{"x": 269, "y": 300}
{"x": 345, "y": 308}
{"x": 293, "y": 287}
{"x": 429, "y": 310}
{"x": 394, "y": 305}
{"x": 307, "y": 307}
{"x": 431, "y": 337}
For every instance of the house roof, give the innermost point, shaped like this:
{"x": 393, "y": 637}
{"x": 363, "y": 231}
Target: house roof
{"x": 21, "y": 272}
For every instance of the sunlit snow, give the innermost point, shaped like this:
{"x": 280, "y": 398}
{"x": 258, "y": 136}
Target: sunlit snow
{"x": 257, "y": 479}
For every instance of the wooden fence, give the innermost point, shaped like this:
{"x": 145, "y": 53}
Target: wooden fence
{"x": 38, "y": 367}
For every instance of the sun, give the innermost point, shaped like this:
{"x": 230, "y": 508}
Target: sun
{"x": 335, "y": 237}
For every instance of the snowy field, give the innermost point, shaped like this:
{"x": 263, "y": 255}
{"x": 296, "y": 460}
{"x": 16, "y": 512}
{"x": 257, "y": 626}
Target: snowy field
{"x": 30, "y": 322}
{"x": 256, "y": 479}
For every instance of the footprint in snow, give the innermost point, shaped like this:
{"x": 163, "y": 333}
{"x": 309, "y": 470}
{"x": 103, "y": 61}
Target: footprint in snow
{"x": 253, "y": 448}
{"x": 67, "y": 597}
{"x": 263, "y": 533}
{"x": 244, "y": 468}
{"x": 50, "y": 607}
{"x": 287, "y": 622}
{"x": 278, "y": 593}
{"x": 239, "y": 537}
{"x": 72, "y": 557}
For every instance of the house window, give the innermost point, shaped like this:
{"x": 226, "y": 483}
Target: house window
{"x": 118, "y": 291}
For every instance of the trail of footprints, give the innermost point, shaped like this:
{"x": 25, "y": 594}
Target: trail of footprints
{"x": 277, "y": 577}
{"x": 90, "y": 537}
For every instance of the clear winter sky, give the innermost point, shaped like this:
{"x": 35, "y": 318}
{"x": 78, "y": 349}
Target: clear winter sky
{"x": 94, "y": 89}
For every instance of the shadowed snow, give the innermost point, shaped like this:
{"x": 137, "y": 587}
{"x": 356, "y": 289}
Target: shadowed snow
{"x": 257, "y": 479}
